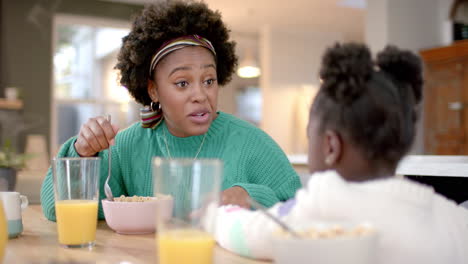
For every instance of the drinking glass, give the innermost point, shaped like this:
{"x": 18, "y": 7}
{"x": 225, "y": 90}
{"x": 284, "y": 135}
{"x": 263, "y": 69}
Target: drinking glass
{"x": 3, "y": 232}
{"x": 194, "y": 186}
{"x": 76, "y": 200}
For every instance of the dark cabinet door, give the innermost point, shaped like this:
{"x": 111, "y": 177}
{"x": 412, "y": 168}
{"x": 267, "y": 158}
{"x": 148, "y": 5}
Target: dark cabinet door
{"x": 446, "y": 100}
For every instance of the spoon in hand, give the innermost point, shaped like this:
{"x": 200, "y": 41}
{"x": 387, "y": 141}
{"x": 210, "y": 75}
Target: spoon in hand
{"x": 107, "y": 189}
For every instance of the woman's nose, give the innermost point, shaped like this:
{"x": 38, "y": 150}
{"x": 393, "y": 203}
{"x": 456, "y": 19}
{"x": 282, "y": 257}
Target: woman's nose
{"x": 199, "y": 93}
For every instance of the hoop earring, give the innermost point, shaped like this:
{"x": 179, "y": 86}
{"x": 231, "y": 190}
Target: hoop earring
{"x": 155, "y": 106}
{"x": 151, "y": 116}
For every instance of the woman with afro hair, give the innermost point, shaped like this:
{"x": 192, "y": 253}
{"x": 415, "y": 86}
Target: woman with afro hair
{"x": 361, "y": 123}
{"x": 172, "y": 62}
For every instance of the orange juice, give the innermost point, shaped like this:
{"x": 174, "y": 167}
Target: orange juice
{"x": 3, "y": 232}
{"x": 185, "y": 246}
{"x": 76, "y": 221}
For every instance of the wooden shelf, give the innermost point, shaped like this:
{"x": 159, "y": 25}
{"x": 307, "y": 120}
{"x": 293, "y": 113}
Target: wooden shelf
{"x": 11, "y": 104}
{"x": 458, "y": 50}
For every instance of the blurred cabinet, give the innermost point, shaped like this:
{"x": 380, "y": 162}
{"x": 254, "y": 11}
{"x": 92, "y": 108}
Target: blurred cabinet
{"x": 446, "y": 100}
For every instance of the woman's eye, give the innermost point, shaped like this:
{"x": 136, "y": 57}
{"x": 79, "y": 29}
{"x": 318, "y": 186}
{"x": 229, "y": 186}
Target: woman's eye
{"x": 182, "y": 84}
{"x": 210, "y": 81}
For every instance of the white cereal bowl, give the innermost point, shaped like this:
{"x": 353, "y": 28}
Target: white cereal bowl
{"x": 339, "y": 250}
{"x": 132, "y": 218}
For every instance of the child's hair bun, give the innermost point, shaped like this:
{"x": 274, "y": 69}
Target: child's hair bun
{"x": 345, "y": 70}
{"x": 403, "y": 66}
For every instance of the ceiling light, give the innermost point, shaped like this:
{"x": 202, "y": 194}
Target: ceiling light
{"x": 248, "y": 72}
{"x": 248, "y": 67}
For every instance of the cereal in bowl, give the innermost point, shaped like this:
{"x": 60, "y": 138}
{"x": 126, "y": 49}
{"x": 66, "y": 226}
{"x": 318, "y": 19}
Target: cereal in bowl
{"x": 332, "y": 231}
{"x": 133, "y": 198}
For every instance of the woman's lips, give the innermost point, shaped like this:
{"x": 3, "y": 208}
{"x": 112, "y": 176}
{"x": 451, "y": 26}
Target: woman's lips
{"x": 200, "y": 118}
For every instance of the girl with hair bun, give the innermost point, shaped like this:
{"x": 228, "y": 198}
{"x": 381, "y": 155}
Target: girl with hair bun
{"x": 362, "y": 122}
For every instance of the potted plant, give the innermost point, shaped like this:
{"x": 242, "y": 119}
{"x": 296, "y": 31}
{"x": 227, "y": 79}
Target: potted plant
{"x": 10, "y": 163}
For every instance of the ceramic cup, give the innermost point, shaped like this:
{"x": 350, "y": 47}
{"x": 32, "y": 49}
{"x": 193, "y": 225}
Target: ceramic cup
{"x": 14, "y": 203}
{"x": 11, "y": 93}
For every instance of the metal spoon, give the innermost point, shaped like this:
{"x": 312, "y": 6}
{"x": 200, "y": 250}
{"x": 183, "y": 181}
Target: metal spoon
{"x": 107, "y": 189}
{"x": 264, "y": 210}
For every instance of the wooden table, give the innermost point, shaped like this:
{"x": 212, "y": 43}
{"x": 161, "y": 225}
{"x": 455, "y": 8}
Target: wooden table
{"x": 38, "y": 245}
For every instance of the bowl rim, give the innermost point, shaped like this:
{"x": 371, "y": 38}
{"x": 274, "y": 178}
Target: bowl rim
{"x": 125, "y": 202}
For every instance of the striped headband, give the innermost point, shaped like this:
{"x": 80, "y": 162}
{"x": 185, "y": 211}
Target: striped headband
{"x": 179, "y": 43}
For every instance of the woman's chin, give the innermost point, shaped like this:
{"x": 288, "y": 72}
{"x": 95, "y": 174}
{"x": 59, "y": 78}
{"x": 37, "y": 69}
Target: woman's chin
{"x": 198, "y": 130}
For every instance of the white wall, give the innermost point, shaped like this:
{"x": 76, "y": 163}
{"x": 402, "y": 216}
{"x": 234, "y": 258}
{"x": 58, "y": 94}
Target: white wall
{"x": 445, "y": 25}
{"x": 376, "y": 27}
{"x": 290, "y": 60}
{"x": 414, "y": 24}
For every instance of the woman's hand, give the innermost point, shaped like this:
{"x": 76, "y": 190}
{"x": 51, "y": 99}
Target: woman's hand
{"x": 95, "y": 135}
{"x": 237, "y": 196}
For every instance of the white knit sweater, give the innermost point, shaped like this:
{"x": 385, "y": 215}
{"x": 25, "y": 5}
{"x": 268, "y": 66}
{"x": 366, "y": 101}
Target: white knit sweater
{"x": 415, "y": 224}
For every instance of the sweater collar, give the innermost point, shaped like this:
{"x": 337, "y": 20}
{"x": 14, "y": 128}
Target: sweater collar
{"x": 174, "y": 142}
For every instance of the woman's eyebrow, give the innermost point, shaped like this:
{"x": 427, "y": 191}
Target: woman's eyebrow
{"x": 185, "y": 68}
{"x": 208, "y": 66}
{"x": 182, "y": 68}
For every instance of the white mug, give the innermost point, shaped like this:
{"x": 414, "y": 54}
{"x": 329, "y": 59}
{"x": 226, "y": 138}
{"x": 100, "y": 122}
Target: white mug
{"x": 11, "y": 93}
{"x": 13, "y": 205}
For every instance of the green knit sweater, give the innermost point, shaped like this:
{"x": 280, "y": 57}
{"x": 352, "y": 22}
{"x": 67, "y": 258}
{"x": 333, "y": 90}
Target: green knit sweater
{"x": 251, "y": 159}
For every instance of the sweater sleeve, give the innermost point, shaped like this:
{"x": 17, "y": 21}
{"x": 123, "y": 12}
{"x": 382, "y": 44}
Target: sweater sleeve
{"x": 68, "y": 150}
{"x": 270, "y": 174}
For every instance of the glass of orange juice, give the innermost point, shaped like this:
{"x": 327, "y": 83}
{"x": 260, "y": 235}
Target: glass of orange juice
{"x": 76, "y": 200}
{"x": 3, "y": 232}
{"x": 194, "y": 186}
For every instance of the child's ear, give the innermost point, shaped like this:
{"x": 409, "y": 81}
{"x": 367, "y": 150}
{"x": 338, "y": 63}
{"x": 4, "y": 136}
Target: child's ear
{"x": 152, "y": 91}
{"x": 332, "y": 148}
